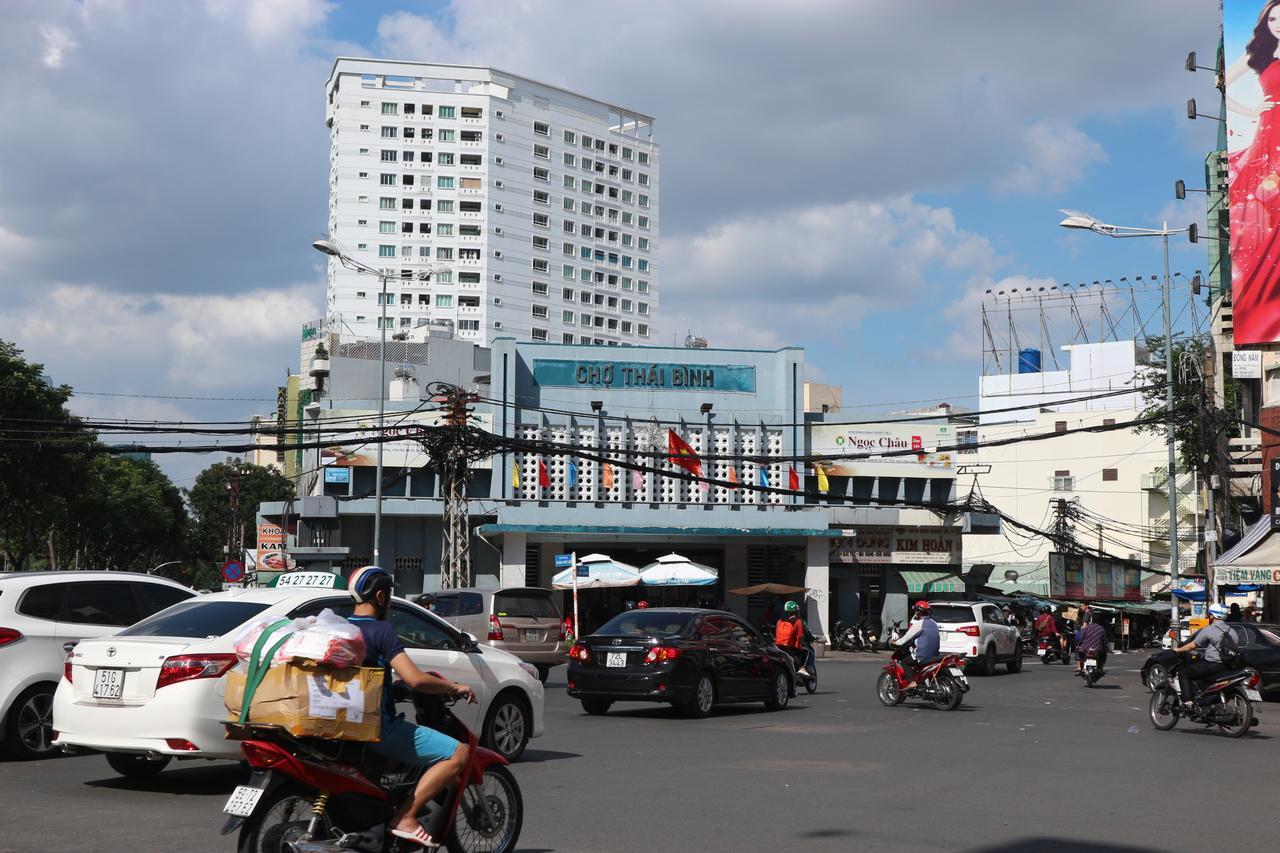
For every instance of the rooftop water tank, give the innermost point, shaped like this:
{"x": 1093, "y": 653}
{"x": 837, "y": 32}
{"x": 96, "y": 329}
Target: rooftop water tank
{"x": 1029, "y": 360}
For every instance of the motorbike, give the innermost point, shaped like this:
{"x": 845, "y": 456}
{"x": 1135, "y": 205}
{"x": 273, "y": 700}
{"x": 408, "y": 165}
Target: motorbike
{"x": 1092, "y": 669}
{"x": 1049, "y": 650}
{"x": 1226, "y": 702}
{"x": 308, "y": 795}
{"x": 845, "y": 638}
{"x": 896, "y": 633}
{"x": 870, "y": 642}
{"x": 941, "y": 682}
{"x": 808, "y": 682}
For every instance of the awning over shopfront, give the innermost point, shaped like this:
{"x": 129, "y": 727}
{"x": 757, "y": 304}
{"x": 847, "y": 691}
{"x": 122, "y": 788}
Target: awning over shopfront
{"x": 932, "y": 581}
{"x": 1255, "y": 559}
{"x": 1255, "y": 534}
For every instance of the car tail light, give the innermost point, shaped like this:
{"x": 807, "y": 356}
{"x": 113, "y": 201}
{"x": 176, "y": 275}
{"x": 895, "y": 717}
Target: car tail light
{"x": 9, "y": 635}
{"x": 188, "y": 667}
{"x": 181, "y": 744}
{"x": 579, "y": 652}
{"x": 495, "y": 628}
{"x": 66, "y": 669}
{"x": 260, "y": 756}
{"x": 968, "y": 630}
{"x": 1254, "y": 680}
{"x": 661, "y": 654}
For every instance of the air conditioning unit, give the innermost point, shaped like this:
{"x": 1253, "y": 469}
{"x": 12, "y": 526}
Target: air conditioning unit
{"x": 497, "y": 137}
{"x": 498, "y": 114}
{"x": 497, "y": 160}
{"x": 497, "y": 253}
{"x": 497, "y": 276}
{"x": 497, "y": 208}
{"x": 497, "y": 230}
{"x": 498, "y": 184}
{"x": 497, "y": 300}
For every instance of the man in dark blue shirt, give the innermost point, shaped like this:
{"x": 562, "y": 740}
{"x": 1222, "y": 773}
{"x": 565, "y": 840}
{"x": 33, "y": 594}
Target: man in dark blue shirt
{"x": 445, "y": 757}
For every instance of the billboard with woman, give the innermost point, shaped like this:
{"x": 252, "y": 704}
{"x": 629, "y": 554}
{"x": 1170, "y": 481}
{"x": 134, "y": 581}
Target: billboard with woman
{"x": 1251, "y": 41}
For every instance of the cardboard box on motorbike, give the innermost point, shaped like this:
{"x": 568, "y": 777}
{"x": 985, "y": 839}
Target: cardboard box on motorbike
{"x": 283, "y": 686}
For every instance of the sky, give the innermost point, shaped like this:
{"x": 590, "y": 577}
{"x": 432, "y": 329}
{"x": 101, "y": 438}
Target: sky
{"x": 848, "y": 176}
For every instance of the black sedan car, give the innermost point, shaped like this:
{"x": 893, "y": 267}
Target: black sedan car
{"x": 1259, "y": 649}
{"x": 690, "y": 658}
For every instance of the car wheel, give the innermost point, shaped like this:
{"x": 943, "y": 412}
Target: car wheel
{"x": 1015, "y": 663}
{"x": 1156, "y": 676}
{"x": 781, "y": 692}
{"x": 704, "y": 699}
{"x": 506, "y": 729}
{"x": 29, "y": 732}
{"x": 596, "y": 707}
{"x": 989, "y": 661}
{"x": 133, "y": 766}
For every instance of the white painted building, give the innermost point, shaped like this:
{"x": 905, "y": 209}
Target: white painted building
{"x": 534, "y": 208}
{"x": 1117, "y": 479}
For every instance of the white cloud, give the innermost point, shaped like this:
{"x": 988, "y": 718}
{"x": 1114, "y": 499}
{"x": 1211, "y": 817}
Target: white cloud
{"x": 1054, "y": 156}
{"x": 57, "y": 42}
{"x": 269, "y": 20}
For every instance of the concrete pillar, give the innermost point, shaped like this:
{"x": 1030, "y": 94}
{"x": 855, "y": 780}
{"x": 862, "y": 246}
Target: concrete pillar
{"x": 735, "y": 575}
{"x": 512, "y": 569}
{"x": 817, "y": 576}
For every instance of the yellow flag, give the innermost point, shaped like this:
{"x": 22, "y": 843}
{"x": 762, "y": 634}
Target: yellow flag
{"x": 515, "y": 475}
{"x": 823, "y": 485}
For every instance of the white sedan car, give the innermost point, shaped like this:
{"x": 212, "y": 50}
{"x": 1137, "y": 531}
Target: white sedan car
{"x": 156, "y": 690}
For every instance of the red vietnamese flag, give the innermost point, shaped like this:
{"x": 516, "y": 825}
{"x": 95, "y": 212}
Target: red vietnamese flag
{"x": 544, "y": 479}
{"x": 682, "y": 455}
{"x": 793, "y": 480}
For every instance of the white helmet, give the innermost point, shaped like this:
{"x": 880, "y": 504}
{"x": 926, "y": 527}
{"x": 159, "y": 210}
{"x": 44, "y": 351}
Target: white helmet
{"x": 366, "y": 581}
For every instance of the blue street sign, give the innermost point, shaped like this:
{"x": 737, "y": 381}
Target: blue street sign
{"x": 564, "y": 561}
{"x": 584, "y": 571}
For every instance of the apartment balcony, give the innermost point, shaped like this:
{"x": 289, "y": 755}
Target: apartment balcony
{"x": 1246, "y": 466}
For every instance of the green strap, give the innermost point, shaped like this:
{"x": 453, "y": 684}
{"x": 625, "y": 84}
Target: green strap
{"x": 259, "y": 663}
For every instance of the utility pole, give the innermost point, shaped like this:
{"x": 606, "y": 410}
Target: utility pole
{"x": 453, "y": 462}
{"x": 1063, "y": 533}
{"x": 235, "y": 532}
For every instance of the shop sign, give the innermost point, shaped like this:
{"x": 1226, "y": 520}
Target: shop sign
{"x": 885, "y": 450}
{"x": 907, "y": 546}
{"x": 272, "y": 555}
{"x": 1234, "y": 576}
{"x": 1246, "y": 364}
{"x": 666, "y": 376}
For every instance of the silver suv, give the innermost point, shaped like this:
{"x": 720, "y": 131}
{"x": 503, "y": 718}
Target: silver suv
{"x": 42, "y": 616}
{"x": 977, "y": 630}
{"x": 521, "y": 620}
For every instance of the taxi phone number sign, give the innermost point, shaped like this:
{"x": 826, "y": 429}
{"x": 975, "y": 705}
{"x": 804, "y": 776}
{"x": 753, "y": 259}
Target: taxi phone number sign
{"x": 325, "y": 580}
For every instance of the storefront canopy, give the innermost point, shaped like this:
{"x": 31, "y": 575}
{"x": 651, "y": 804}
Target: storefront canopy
{"x": 1256, "y": 533}
{"x": 932, "y": 581}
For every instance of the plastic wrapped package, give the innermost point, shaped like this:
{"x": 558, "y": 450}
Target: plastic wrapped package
{"x": 326, "y": 639}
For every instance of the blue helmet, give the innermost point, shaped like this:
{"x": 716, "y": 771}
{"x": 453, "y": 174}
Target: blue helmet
{"x": 367, "y": 581}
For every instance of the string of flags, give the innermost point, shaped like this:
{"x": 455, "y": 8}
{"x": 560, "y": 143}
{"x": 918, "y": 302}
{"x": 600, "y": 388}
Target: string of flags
{"x": 681, "y": 455}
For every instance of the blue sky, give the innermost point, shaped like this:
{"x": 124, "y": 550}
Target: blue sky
{"x": 846, "y": 176}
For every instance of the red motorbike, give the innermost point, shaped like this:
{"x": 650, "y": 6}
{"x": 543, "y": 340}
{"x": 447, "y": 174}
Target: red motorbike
{"x": 940, "y": 682}
{"x": 308, "y": 795}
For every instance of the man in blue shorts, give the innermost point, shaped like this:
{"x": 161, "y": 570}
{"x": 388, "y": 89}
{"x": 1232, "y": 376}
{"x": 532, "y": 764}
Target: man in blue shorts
{"x": 445, "y": 757}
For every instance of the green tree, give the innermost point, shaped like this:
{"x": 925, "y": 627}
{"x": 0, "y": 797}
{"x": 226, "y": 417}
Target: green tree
{"x": 43, "y": 454}
{"x": 1200, "y": 428}
{"x": 128, "y": 515}
{"x": 209, "y": 501}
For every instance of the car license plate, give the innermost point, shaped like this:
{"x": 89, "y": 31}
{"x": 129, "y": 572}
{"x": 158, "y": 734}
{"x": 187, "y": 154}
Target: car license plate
{"x": 1253, "y": 695}
{"x": 616, "y": 659}
{"x": 108, "y": 684}
{"x": 532, "y": 636}
{"x": 1041, "y": 652}
{"x": 242, "y": 801}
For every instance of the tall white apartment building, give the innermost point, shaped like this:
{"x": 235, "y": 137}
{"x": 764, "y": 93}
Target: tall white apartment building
{"x": 534, "y": 209}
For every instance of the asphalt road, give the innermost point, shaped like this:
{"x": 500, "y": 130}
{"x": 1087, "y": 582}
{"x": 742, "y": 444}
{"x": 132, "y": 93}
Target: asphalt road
{"x": 1033, "y": 761}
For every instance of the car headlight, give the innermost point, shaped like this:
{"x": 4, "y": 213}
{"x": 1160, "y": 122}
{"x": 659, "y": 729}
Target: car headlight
{"x": 529, "y": 668}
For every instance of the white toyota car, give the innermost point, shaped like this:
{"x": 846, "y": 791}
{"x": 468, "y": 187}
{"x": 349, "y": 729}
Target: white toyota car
{"x": 155, "y": 691}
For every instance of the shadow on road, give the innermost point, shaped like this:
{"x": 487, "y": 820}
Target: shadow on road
{"x": 659, "y": 712}
{"x": 191, "y": 781}
{"x": 538, "y": 756}
{"x": 1059, "y": 845}
{"x": 826, "y": 833}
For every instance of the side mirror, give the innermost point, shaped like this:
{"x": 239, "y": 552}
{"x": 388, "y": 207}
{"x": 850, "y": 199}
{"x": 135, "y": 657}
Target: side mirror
{"x": 470, "y": 643}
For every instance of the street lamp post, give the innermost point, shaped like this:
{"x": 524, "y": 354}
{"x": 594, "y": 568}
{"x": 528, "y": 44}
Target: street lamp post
{"x": 1076, "y": 219}
{"x": 351, "y": 263}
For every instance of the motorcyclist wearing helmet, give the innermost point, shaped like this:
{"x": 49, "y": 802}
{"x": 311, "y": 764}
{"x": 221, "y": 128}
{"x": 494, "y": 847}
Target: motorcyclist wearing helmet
{"x": 1208, "y": 641}
{"x": 923, "y": 633}
{"x": 791, "y": 635}
{"x": 445, "y": 757}
{"x": 1046, "y": 625}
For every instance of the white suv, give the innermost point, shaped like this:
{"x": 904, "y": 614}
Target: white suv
{"x": 42, "y": 616}
{"x": 977, "y": 630}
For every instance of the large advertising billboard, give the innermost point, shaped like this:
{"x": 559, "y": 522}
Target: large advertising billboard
{"x": 1251, "y": 36}
{"x": 1075, "y": 577}
{"x": 885, "y": 450}
{"x": 348, "y": 437}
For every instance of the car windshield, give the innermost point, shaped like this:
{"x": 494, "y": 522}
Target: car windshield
{"x": 199, "y": 618}
{"x": 639, "y": 623}
{"x": 537, "y": 605}
{"x": 953, "y": 614}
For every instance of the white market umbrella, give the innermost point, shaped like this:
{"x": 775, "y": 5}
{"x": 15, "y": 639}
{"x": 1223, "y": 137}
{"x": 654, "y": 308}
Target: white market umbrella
{"x": 603, "y": 572}
{"x": 675, "y": 570}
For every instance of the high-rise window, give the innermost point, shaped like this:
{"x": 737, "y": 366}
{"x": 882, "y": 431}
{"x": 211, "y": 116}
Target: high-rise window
{"x": 447, "y": 112}
{"x": 390, "y": 109}
{"x": 444, "y": 182}
{"x": 385, "y": 203}
{"x": 390, "y": 132}
{"x": 386, "y": 251}
{"x": 542, "y": 128}
{"x": 387, "y": 180}
{"x": 386, "y": 228}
